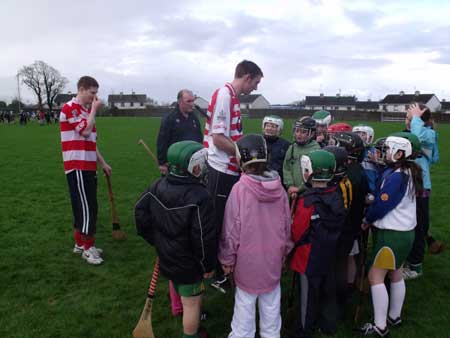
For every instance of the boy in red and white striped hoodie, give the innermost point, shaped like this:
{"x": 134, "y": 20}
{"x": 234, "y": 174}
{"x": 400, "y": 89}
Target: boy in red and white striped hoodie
{"x": 80, "y": 156}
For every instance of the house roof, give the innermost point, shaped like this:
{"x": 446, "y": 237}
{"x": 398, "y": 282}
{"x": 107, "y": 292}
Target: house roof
{"x": 248, "y": 98}
{"x": 367, "y": 104}
{"x": 330, "y": 100}
{"x": 63, "y": 98}
{"x": 445, "y": 105}
{"x": 406, "y": 98}
{"x": 127, "y": 98}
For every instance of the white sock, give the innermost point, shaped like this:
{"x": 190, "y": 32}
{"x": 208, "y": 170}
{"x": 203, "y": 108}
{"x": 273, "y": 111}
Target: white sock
{"x": 380, "y": 300}
{"x": 398, "y": 291}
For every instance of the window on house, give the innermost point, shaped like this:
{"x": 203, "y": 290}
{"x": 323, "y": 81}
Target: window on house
{"x": 406, "y": 106}
{"x": 122, "y": 104}
{"x": 395, "y": 108}
{"x": 349, "y": 108}
{"x": 142, "y": 104}
{"x": 131, "y": 104}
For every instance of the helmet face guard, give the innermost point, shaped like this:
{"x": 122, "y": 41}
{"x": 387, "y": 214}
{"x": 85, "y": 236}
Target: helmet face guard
{"x": 199, "y": 159}
{"x": 252, "y": 149}
{"x": 366, "y": 133}
{"x": 276, "y": 120}
{"x": 307, "y": 127}
{"x": 352, "y": 143}
{"x": 179, "y": 156}
{"x": 394, "y": 144}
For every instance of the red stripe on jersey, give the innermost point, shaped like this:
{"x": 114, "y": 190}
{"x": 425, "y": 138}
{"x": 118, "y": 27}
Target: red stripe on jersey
{"x": 80, "y": 165}
{"x": 79, "y": 145}
{"x": 70, "y": 133}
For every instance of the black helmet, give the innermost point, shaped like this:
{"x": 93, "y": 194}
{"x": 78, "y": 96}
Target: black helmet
{"x": 352, "y": 143}
{"x": 252, "y": 149}
{"x": 341, "y": 156}
{"x": 306, "y": 123}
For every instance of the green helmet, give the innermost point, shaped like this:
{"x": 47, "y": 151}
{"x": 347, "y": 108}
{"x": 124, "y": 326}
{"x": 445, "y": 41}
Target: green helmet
{"x": 181, "y": 155}
{"x": 322, "y": 117}
{"x": 319, "y": 165}
{"x": 415, "y": 143}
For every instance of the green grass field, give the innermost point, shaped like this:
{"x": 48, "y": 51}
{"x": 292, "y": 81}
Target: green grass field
{"x": 47, "y": 291}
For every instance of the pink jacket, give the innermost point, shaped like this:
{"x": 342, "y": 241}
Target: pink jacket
{"x": 256, "y": 234}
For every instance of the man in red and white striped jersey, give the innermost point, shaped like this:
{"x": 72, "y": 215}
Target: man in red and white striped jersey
{"x": 80, "y": 155}
{"x": 223, "y": 128}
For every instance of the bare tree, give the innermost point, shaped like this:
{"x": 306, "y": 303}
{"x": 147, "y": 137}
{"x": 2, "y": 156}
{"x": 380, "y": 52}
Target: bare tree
{"x": 44, "y": 80}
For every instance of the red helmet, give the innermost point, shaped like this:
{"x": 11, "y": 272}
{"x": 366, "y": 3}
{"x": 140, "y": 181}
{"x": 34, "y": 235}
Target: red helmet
{"x": 339, "y": 127}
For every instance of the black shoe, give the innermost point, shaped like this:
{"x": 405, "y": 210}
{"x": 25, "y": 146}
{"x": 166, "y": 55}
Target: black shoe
{"x": 370, "y": 329}
{"x": 394, "y": 322}
{"x": 222, "y": 284}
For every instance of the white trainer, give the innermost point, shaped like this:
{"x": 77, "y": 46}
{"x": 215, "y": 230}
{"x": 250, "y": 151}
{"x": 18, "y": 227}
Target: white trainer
{"x": 78, "y": 249}
{"x": 92, "y": 256}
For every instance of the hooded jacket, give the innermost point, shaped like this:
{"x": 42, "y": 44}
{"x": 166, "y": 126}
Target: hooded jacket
{"x": 176, "y": 216}
{"x": 292, "y": 175}
{"x": 317, "y": 224}
{"x": 256, "y": 232}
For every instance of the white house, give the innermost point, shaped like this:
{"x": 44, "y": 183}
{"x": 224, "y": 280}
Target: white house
{"x": 254, "y": 101}
{"x": 367, "y": 105}
{"x": 445, "y": 107}
{"x": 201, "y": 102}
{"x": 399, "y": 103}
{"x": 337, "y": 102}
{"x": 127, "y": 101}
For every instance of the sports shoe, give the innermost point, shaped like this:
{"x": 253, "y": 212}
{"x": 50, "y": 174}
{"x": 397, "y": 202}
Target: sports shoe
{"x": 78, "y": 249}
{"x": 92, "y": 256}
{"x": 409, "y": 274}
{"x": 394, "y": 322}
{"x": 222, "y": 285}
{"x": 370, "y": 329}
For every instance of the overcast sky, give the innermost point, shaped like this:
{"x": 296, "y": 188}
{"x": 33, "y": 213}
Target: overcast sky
{"x": 356, "y": 47}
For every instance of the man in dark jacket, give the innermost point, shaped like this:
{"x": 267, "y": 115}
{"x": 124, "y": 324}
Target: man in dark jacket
{"x": 180, "y": 125}
{"x": 176, "y": 216}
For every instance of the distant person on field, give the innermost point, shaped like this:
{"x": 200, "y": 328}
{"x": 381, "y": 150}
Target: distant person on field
{"x": 80, "y": 156}
{"x": 180, "y": 125}
{"x": 223, "y": 128}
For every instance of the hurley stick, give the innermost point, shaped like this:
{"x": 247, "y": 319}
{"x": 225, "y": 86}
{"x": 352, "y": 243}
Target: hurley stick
{"x": 117, "y": 233}
{"x": 141, "y": 141}
{"x": 144, "y": 327}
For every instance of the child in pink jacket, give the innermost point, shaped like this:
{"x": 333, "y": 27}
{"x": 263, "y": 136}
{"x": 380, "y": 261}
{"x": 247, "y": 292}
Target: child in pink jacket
{"x": 255, "y": 241}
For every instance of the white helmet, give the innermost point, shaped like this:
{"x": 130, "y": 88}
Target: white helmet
{"x": 275, "y": 120}
{"x": 367, "y": 130}
{"x": 395, "y": 143}
{"x": 322, "y": 118}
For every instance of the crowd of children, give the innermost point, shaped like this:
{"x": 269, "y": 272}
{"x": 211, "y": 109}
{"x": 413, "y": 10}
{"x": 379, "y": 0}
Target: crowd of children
{"x": 342, "y": 185}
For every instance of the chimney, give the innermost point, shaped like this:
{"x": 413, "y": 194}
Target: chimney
{"x": 321, "y": 94}
{"x": 402, "y": 93}
{"x": 338, "y": 95}
{"x": 121, "y": 93}
{"x": 417, "y": 93}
